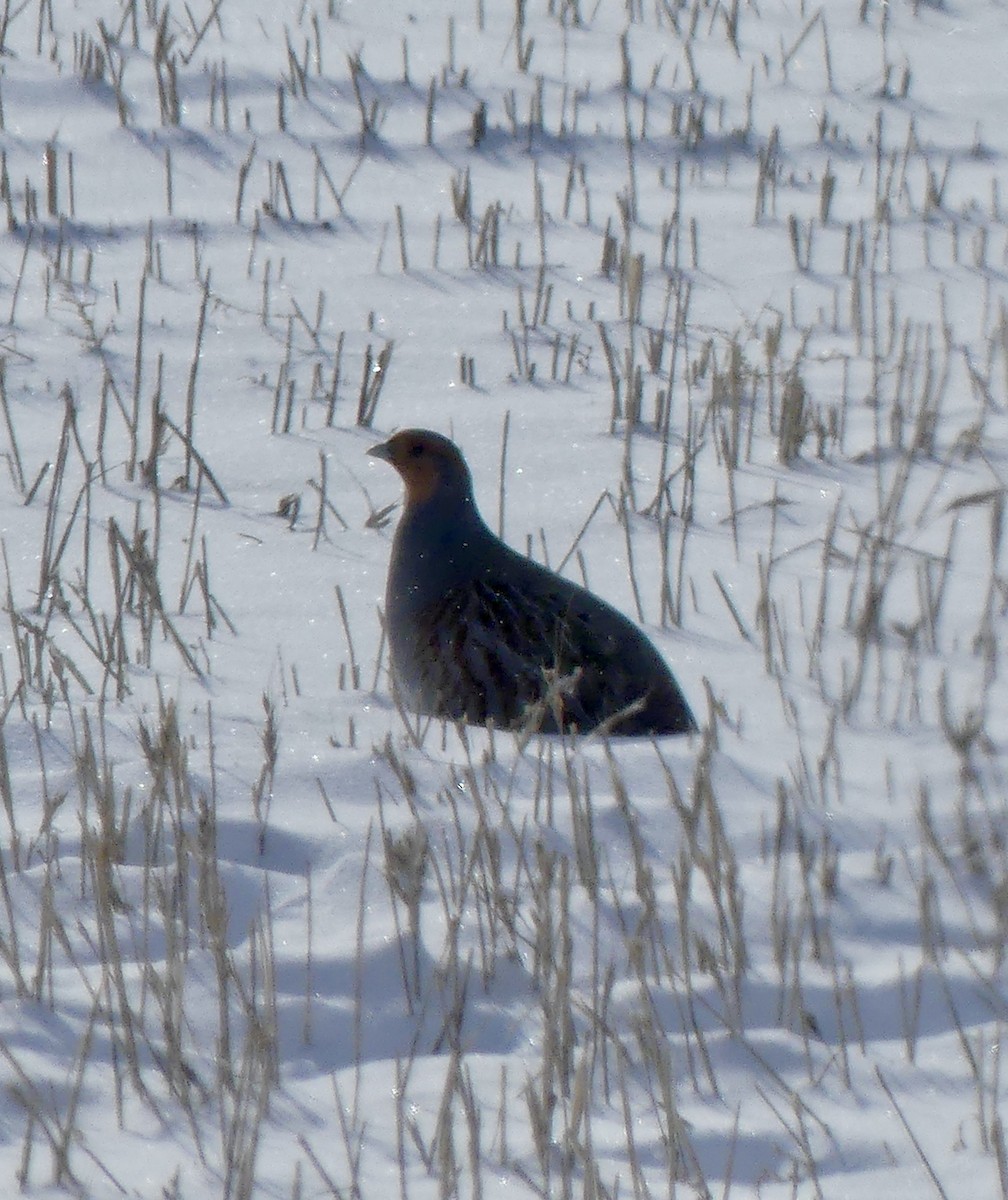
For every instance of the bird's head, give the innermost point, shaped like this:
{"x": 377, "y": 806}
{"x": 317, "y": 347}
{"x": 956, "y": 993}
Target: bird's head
{"x": 431, "y": 466}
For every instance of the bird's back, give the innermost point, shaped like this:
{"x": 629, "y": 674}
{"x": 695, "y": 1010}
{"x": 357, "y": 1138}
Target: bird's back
{"x": 487, "y": 635}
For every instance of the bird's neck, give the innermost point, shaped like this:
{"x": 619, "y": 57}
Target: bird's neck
{"x": 437, "y": 547}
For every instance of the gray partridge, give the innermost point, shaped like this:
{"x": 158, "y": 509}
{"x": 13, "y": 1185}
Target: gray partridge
{"x": 479, "y": 633}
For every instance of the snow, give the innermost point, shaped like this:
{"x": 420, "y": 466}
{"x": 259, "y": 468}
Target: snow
{"x": 262, "y": 933}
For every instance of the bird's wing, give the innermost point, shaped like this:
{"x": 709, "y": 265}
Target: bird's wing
{"x": 604, "y": 666}
{"x": 486, "y": 648}
{"x": 532, "y": 647}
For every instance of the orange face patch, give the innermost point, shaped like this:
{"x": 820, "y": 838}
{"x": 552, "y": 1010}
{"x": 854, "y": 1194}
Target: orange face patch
{"x": 420, "y": 476}
{"x": 418, "y": 460}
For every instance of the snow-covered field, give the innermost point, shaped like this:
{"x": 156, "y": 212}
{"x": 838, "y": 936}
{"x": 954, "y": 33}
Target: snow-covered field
{"x": 714, "y": 296}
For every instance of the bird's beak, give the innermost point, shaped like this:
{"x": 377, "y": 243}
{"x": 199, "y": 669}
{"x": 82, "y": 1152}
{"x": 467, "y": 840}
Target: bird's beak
{"x": 381, "y": 451}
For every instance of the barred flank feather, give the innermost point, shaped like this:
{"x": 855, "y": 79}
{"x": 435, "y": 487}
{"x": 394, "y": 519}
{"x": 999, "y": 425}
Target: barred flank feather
{"x": 481, "y": 634}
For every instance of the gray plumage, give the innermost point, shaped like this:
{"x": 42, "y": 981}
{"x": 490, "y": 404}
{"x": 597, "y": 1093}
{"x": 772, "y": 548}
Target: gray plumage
{"x": 479, "y": 633}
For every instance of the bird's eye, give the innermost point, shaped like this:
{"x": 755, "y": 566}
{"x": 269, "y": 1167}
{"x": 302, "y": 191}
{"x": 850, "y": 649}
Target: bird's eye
{"x": 416, "y": 450}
